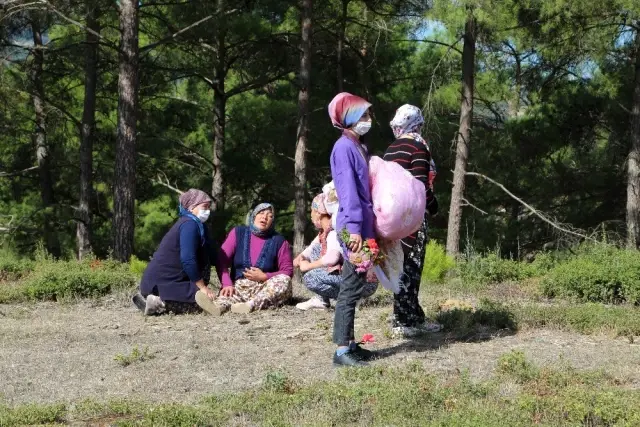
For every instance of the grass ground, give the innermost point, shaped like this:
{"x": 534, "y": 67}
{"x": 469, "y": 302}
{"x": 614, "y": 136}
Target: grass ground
{"x": 507, "y": 356}
{"x": 100, "y": 361}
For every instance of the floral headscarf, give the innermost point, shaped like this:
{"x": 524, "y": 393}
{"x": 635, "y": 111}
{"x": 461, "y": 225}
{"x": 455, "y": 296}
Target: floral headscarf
{"x": 194, "y": 197}
{"x": 251, "y": 217}
{"x": 346, "y": 109}
{"x": 318, "y": 205}
{"x": 189, "y": 200}
{"x": 407, "y": 121}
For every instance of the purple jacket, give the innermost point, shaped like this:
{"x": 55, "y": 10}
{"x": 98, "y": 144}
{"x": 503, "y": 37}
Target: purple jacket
{"x": 350, "y": 173}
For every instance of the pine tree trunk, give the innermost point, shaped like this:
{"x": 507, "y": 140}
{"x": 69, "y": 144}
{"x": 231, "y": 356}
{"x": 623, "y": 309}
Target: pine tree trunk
{"x": 633, "y": 161}
{"x": 300, "y": 219}
{"x": 83, "y": 230}
{"x": 219, "y": 111}
{"x": 464, "y": 133}
{"x": 125, "y": 169}
{"x": 40, "y": 141}
{"x": 219, "y": 115}
{"x": 340, "y": 48}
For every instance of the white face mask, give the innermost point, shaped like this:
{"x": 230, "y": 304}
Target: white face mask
{"x": 362, "y": 127}
{"x": 204, "y": 215}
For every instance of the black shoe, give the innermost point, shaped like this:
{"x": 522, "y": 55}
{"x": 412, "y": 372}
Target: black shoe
{"x": 139, "y": 301}
{"x": 347, "y": 359}
{"x": 363, "y": 354}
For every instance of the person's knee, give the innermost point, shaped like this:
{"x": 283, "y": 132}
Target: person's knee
{"x": 280, "y": 279}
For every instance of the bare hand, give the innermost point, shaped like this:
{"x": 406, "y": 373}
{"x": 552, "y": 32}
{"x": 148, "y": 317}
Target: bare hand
{"x": 304, "y": 266}
{"x": 227, "y": 291}
{"x": 297, "y": 260}
{"x": 209, "y": 293}
{"x": 355, "y": 243}
{"x": 255, "y": 275}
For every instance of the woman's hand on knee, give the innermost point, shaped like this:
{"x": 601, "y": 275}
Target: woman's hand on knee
{"x": 305, "y": 266}
{"x": 209, "y": 293}
{"x": 227, "y": 291}
{"x": 297, "y": 260}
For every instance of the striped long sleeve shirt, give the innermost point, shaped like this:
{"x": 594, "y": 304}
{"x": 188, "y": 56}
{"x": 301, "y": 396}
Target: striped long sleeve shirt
{"x": 414, "y": 157}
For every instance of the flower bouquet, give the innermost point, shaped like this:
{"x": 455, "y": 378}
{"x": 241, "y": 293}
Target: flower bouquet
{"x": 365, "y": 258}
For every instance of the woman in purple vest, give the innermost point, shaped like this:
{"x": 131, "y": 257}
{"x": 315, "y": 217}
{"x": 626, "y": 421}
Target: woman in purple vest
{"x": 255, "y": 265}
{"x": 180, "y": 268}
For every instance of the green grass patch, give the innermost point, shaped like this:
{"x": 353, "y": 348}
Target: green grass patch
{"x": 380, "y": 396}
{"x": 32, "y": 415}
{"x": 58, "y": 280}
{"x": 135, "y": 356}
{"x": 586, "y": 318}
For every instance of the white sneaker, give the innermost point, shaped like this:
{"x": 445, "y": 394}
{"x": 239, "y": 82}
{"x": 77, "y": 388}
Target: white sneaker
{"x": 315, "y": 302}
{"x": 406, "y": 332}
{"x": 414, "y": 331}
{"x": 153, "y": 305}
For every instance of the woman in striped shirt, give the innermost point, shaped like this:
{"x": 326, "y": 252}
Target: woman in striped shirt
{"x": 411, "y": 151}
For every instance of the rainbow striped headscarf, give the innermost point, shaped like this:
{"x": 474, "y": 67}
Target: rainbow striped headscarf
{"x": 346, "y": 109}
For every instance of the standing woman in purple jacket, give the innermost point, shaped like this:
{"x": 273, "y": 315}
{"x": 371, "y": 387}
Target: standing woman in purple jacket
{"x": 350, "y": 173}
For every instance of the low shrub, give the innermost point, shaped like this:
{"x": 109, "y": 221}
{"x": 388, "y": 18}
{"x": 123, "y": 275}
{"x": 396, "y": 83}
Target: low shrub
{"x": 589, "y": 318}
{"x": 597, "y": 274}
{"x": 491, "y": 268}
{"x": 515, "y": 365}
{"x": 54, "y": 280}
{"x": 137, "y": 266}
{"x": 436, "y": 263}
{"x": 12, "y": 267}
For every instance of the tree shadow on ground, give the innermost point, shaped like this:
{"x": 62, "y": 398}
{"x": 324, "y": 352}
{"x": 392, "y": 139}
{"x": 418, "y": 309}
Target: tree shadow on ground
{"x": 460, "y": 325}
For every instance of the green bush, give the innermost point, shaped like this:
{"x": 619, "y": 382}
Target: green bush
{"x": 436, "y": 263}
{"x": 54, "y": 280}
{"x": 588, "y": 318}
{"x": 515, "y": 365}
{"x": 12, "y": 267}
{"x": 491, "y": 269}
{"x": 597, "y": 274}
{"x": 137, "y": 266}
{"x": 75, "y": 279}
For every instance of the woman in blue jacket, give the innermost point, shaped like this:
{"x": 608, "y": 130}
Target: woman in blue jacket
{"x": 181, "y": 266}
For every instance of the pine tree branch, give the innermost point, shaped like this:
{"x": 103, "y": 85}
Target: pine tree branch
{"x": 162, "y": 180}
{"x": 531, "y": 208}
{"x": 20, "y": 172}
{"x": 171, "y": 37}
{"x": 255, "y": 84}
{"x": 465, "y": 202}
{"x": 78, "y": 24}
{"x": 437, "y": 42}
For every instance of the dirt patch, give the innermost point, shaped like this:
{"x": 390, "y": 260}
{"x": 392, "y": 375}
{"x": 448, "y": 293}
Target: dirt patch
{"x": 53, "y": 352}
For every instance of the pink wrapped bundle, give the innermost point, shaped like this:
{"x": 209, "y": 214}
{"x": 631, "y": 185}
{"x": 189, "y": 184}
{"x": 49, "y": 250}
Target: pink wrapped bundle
{"x": 399, "y": 199}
